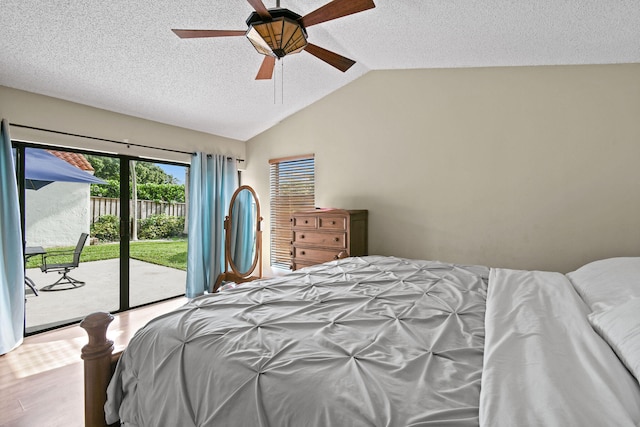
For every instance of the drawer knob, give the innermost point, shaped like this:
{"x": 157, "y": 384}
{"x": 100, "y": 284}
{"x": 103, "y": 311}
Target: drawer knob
{"x": 306, "y": 221}
{"x": 333, "y": 223}
{"x": 302, "y": 236}
{"x": 302, "y": 252}
{"x": 336, "y": 239}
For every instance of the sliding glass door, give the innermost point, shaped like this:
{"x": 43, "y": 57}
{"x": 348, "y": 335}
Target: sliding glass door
{"x": 132, "y": 213}
{"x": 72, "y": 241}
{"x": 158, "y": 236}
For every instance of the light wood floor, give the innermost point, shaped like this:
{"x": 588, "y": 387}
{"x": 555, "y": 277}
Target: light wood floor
{"x": 41, "y": 382}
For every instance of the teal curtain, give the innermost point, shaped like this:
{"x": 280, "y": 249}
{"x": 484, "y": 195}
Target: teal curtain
{"x": 11, "y": 258}
{"x": 243, "y": 231}
{"x": 212, "y": 181}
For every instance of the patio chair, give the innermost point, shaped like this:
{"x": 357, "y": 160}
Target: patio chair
{"x": 64, "y": 268}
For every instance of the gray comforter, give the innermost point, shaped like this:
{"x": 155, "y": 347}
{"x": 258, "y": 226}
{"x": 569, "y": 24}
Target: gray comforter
{"x": 371, "y": 341}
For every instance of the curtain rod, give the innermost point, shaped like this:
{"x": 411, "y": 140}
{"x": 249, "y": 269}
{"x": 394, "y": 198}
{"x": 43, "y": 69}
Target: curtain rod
{"x": 128, "y": 144}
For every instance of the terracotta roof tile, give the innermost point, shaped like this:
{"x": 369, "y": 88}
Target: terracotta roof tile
{"x": 76, "y": 159}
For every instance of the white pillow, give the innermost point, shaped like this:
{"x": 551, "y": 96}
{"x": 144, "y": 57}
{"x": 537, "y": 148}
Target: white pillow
{"x": 607, "y": 283}
{"x": 620, "y": 327}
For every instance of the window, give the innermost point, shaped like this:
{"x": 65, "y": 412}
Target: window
{"x": 292, "y": 188}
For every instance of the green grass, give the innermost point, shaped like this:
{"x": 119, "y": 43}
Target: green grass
{"x": 170, "y": 253}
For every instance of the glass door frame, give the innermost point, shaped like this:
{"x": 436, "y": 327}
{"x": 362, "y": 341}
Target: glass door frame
{"x": 125, "y": 213}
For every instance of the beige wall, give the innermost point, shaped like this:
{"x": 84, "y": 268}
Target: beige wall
{"x": 34, "y": 110}
{"x": 530, "y": 168}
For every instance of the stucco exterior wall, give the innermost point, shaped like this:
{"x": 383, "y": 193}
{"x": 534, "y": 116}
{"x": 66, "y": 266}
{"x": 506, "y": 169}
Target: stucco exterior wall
{"x": 57, "y": 214}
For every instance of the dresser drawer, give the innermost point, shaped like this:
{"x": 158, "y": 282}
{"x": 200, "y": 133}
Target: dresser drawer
{"x": 330, "y": 239}
{"x": 307, "y": 255}
{"x": 332, "y": 223}
{"x": 306, "y": 221}
{"x": 298, "y": 264}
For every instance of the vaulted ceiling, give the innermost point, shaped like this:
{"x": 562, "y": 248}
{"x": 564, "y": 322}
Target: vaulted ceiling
{"x": 121, "y": 55}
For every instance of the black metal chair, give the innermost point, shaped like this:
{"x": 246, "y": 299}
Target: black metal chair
{"x": 64, "y": 268}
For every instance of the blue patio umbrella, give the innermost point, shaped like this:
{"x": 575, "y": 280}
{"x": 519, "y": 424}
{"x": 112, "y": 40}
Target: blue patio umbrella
{"x": 43, "y": 168}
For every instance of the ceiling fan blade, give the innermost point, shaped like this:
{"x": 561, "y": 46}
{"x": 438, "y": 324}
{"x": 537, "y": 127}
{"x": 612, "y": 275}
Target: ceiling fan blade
{"x": 335, "y": 9}
{"x": 190, "y": 34}
{"x": 260, "y": 9}
{"x": 331, "y": 58}
{"x": 266, "y": 69}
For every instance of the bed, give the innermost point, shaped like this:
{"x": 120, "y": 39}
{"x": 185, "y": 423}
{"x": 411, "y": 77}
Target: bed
{"x": 384, "y": 341}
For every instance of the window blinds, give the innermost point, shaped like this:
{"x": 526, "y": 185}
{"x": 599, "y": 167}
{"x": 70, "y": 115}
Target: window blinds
{"x": 292, "y": 188}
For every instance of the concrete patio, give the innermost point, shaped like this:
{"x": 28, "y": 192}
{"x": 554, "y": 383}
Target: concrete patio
{"x": 148, "y": 283}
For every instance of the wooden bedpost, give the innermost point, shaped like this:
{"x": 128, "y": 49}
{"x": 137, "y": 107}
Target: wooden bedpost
{"x": 97, "y": 355}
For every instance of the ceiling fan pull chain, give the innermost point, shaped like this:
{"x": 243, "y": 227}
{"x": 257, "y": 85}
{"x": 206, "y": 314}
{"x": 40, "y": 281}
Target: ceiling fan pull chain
{"x": 275, "y": 83}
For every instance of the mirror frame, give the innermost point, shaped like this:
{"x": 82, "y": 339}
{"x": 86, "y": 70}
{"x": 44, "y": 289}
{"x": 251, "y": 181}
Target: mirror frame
{"x": 231, "y": 273}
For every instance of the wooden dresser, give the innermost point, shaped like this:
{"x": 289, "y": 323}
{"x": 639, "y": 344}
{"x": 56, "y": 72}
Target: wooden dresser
{"x": 323, "y": 235}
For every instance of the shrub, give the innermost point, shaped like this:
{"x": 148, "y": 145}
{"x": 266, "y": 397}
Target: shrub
{"x": 106, "y": 228}
{"x": 161, "y": 192}
{"x": 172, "y": 193}
{"x": 110, "y": 189}
{"x": 160, "y": 227}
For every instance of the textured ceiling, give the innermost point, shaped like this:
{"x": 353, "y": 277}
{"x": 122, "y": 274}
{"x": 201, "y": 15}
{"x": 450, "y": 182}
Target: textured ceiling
{"x": 120, "y": 55}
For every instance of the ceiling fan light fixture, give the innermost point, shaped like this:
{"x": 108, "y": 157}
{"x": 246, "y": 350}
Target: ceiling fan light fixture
{"x": 278, "y": 32}
{"x": 278, "y": 37}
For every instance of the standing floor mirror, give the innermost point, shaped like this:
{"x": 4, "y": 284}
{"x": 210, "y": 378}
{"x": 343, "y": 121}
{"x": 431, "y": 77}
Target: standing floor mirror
{"x": 243, "y": 239}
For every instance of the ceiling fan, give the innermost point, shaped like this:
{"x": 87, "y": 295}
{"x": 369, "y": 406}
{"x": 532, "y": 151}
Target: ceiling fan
{"x": 278, "y": 32}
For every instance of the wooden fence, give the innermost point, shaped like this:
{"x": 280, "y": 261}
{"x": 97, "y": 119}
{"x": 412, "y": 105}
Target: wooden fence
{"x": 146, "y": 208}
